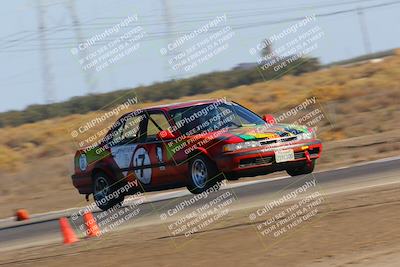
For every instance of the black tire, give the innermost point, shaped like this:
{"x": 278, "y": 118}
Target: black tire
{"x": 201, "y": 164}
{"x": 304, "y": 169}
{"x": 101, "y": 180}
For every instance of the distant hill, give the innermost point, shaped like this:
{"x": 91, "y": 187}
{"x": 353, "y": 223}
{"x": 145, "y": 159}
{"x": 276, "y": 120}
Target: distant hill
{"x": 360, "y": 59}
{"x": 173, "y": 89}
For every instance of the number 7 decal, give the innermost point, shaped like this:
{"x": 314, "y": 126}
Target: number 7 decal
{"x": 141, "y": 159}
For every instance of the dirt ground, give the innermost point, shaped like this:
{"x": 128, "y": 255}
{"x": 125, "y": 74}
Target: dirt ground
{"x": 33, "y": 190}
{"x": 358, "y": 228}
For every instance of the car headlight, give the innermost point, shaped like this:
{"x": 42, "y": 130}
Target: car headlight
{"x": 306, "y": 136}
{"x": 242, "y": 145}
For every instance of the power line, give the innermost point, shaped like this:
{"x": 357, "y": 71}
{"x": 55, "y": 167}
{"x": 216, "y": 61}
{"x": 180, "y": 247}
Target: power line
{"x": 258, "y": 12}
{"x": 164, "y": 34}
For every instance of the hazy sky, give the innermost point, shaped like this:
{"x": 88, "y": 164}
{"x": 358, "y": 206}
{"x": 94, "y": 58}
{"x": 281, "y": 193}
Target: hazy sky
{"x": 251, "y": 21}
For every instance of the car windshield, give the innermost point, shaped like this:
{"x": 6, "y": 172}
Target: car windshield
{"x": 212, "y": 117}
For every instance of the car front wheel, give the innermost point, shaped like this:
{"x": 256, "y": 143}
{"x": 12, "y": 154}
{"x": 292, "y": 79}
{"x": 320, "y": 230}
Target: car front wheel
{"x": 203, "y": 175}
{"x": 105, "y": 193}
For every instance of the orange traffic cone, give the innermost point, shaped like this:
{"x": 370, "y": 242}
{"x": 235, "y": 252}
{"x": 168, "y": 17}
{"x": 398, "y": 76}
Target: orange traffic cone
{"x": 22, "y": 215}
{"x": 67, "y": 232}
{"x": 92, "y": 229}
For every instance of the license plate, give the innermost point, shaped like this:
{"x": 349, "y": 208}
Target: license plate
{"x": 284, "y": 155}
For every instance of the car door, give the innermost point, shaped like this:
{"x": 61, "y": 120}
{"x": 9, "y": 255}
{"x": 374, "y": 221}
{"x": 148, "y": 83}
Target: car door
{"x": 125, "y": 140}
{"x": 164, "y": 171}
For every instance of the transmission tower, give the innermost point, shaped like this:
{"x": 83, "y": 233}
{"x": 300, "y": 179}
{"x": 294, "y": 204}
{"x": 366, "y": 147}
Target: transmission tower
{"x": 170, "y": 38}
{"x": 48, "y": 79}
{"x": 364, "y": 31}
{"x": 88, "y": 74}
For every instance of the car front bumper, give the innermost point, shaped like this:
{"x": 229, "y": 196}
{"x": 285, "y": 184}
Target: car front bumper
{"x": 82, "y": 182}
{"x": 261, "y": 157}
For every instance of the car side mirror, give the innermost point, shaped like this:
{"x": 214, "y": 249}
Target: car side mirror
{"x": 270, "y": 119}
{"x": 165, "y": 135}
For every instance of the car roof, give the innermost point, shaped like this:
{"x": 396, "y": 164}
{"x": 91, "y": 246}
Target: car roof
{"x": 172, "y": 106}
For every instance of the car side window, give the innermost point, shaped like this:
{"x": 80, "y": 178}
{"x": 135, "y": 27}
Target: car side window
{"x": 152, "y": 129}
{"x": 131, "y": 129}
{"x": 127, "y": 132}
{"x": 115, "y": 137}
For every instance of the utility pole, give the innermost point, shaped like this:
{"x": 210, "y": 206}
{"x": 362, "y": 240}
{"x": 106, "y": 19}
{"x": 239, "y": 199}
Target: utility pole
{"x": 88, "y": 74}
{"x": 48, "y": 79}
{"x": 364, "y": 30}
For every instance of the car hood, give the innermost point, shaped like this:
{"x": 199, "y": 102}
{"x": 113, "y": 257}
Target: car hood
{"x": 266, "y": 131}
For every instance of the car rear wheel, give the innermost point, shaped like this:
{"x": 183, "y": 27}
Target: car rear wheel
{"x": 203, "y": 175}
{"x": 103, "y": 192}
{"x": 304, "y": 169}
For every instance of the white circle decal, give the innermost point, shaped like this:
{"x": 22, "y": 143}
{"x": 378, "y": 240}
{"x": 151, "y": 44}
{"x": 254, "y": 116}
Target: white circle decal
{"x": 82, "y": 162}
{"x": 140, "y": 159}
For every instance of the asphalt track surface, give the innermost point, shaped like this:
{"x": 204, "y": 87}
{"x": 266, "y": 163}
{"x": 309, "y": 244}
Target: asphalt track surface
{"x": 247, "y": 194}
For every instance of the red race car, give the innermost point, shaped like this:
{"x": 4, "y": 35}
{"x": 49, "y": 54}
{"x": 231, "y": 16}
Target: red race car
{"x": 193, "y": 144}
